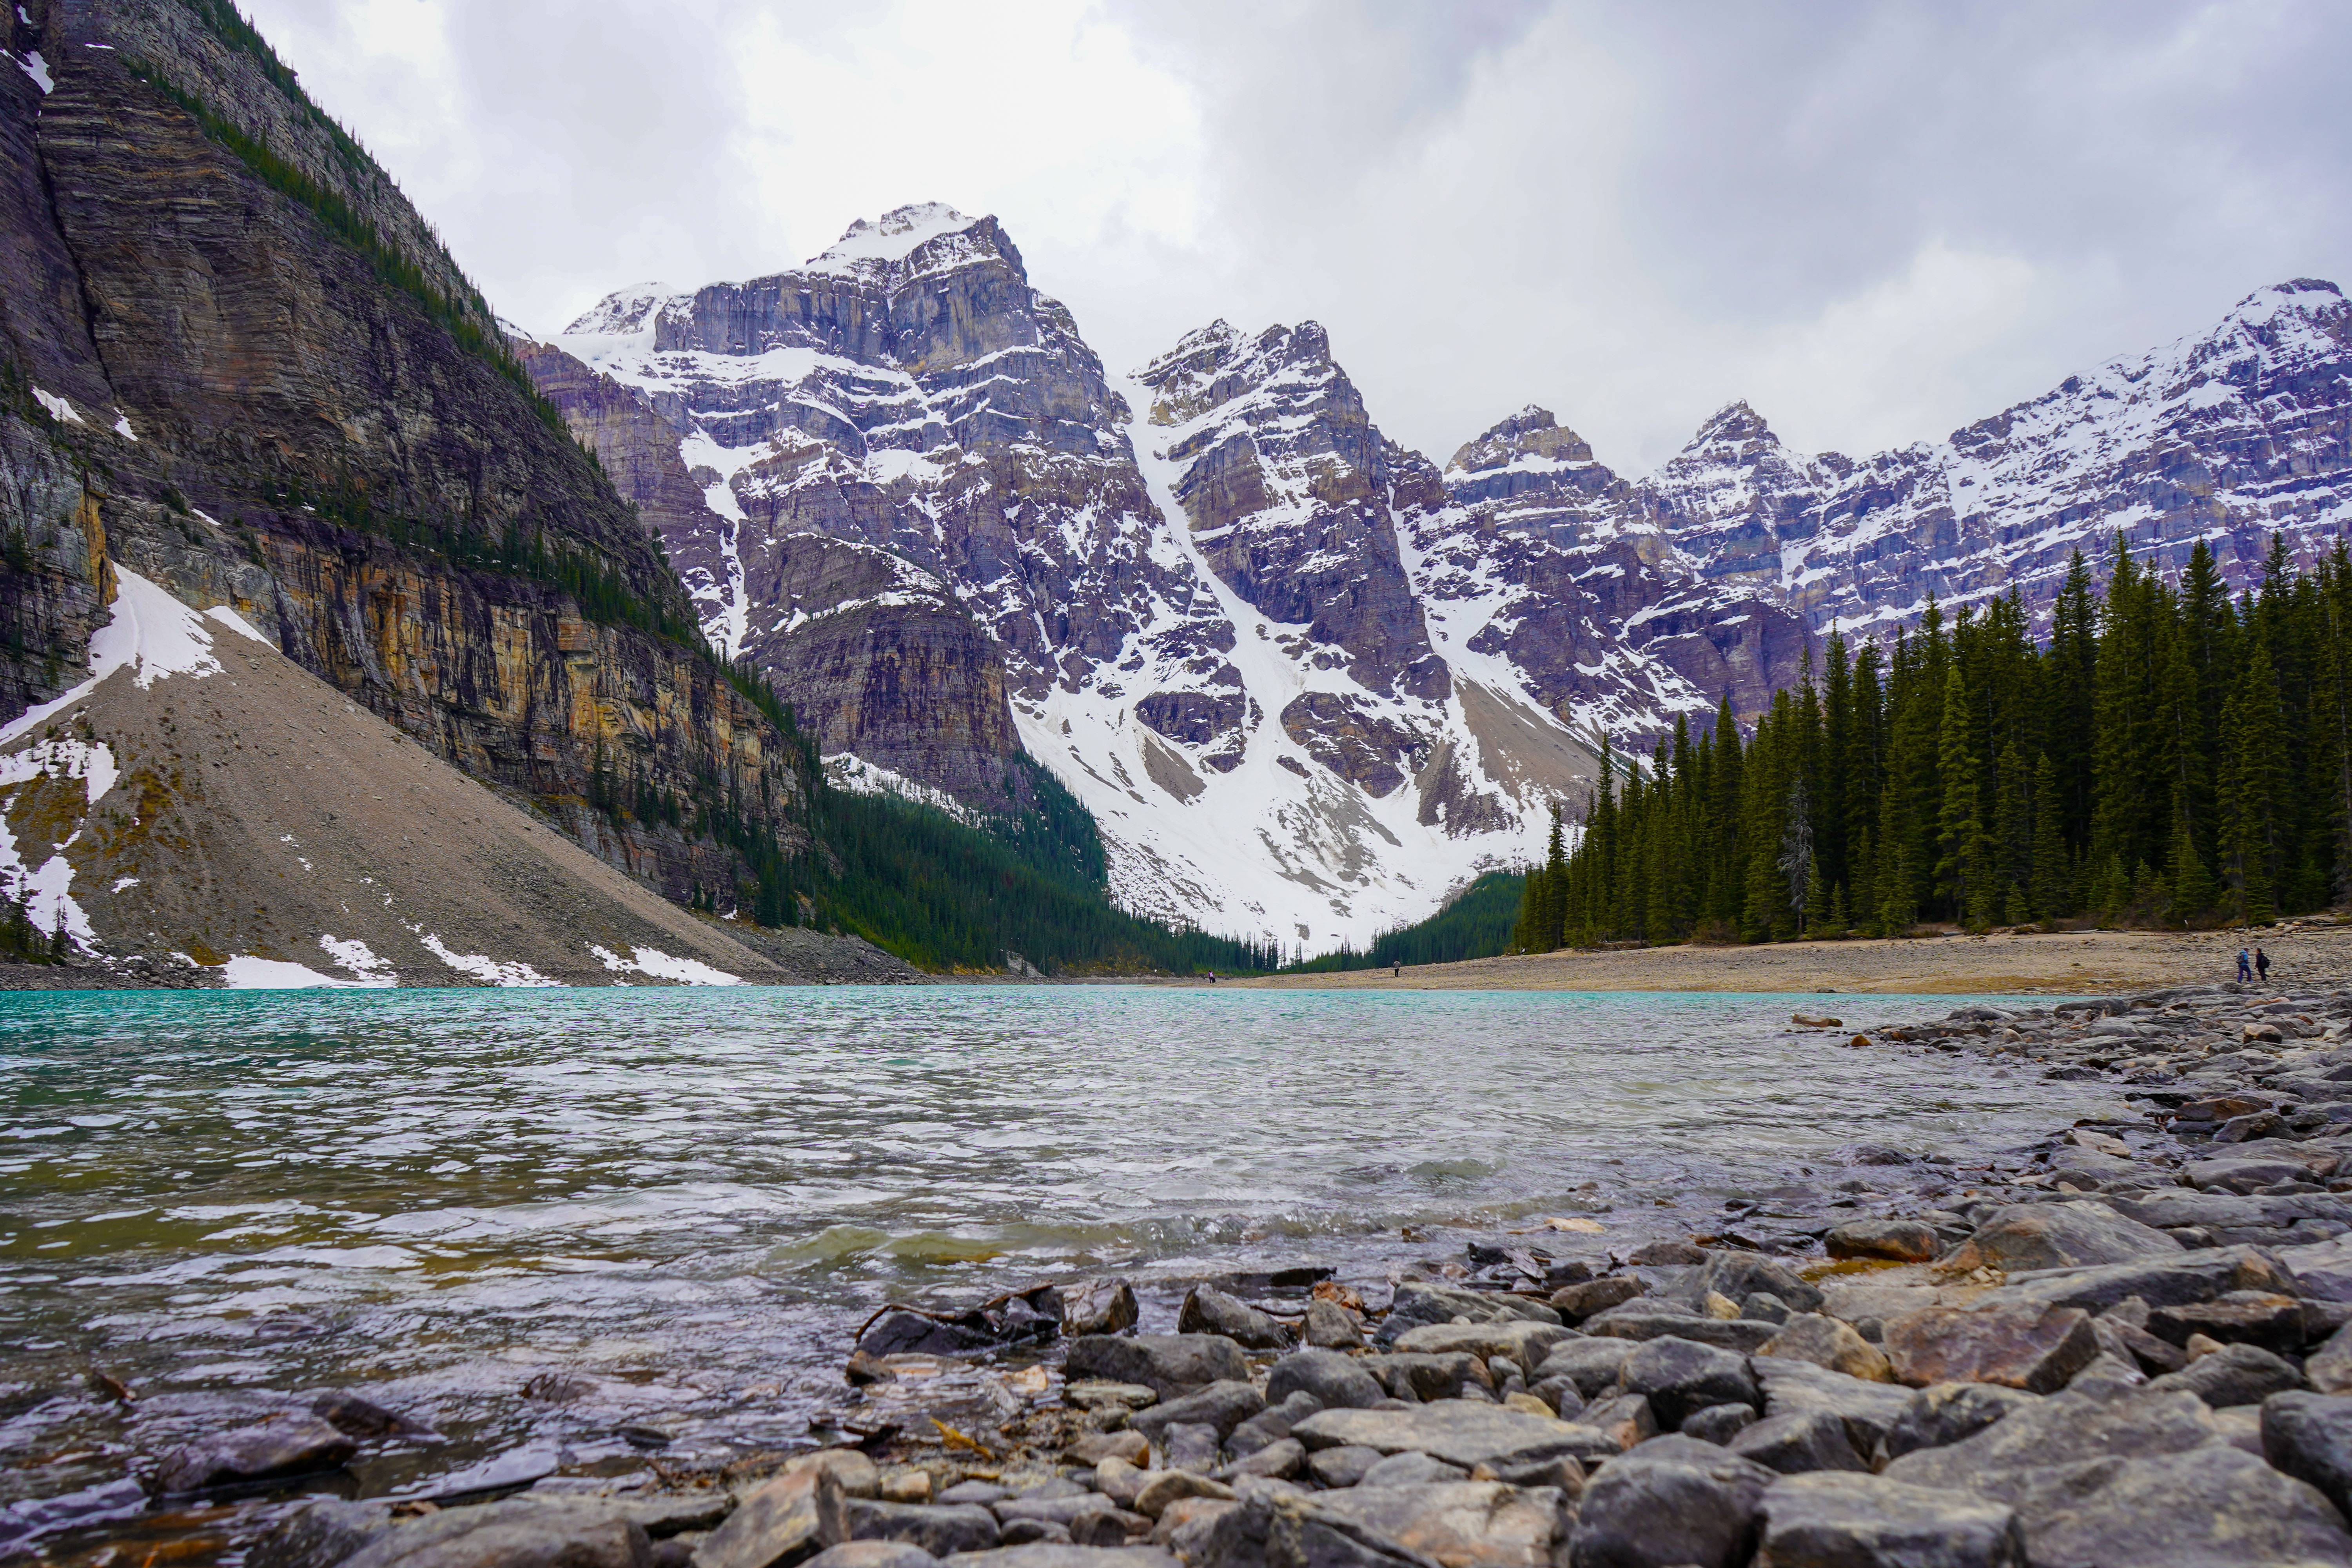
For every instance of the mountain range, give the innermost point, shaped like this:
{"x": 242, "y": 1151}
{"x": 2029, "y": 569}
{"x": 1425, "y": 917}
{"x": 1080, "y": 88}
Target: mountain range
{"x": 1305, "y": 679}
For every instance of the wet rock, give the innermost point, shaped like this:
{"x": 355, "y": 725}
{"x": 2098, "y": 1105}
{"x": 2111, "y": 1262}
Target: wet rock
{"x": 1336, "y": 1381}
{"x": 790, "y": 1517}
{"x": 1718, "y": 1423}
{"x": 1672, "y": 1502}
{"x": 289, "y": 1445}
{"x": 1168, "y": 1364}
{"x": 1417, "y": 1303}
{"x": 1592, "y": 1364}
{"x": 1412, "y": 1470}
{"x": 2238, "y": 1375}
{"x": 521, "y": 1533}
{"x": 1906, "y": 1240}
{"x": 1098, "y": 1306}
{"x": 1190, "y": 1446}
{"x": 873, "y": 1554}
{"x": 2216, "y": 1505}
{"x": 1680, "y": 1376}
{"x": 2057, "y": 1236}
{"x": 1946, "y": 1413}
{"x": 2309, "y": 1437}
{"x": 1524, "y": 1342}
{"x": 1625, "y": 1419}
{"x": 1221, "y": 1406}
{"x": 1668, "y": 1255}
{"x": 2247, "y": 1128}
{"x": 1795, "y": 1445}
{"x": 1209, "y": 1310}
{"x": 1730, "y": 1334}
{"x": 1458, "y": 1433}
{"x": 1165, "y": 1487}
{"x": 1332, "y": 1326}
{"x": 1577, "y": 1302}
{"x": 2016, "y": 1344}
{"x": 1826, "y": 1342}
{"x": 1837, "y": 1521}
{"x": 1343, "y": 1466}
{"x": 319, "y": 1534}
{"x": 938, "y": 1529}
{"x": 355, "y": 1418}
{"x": 902, "y": 1332}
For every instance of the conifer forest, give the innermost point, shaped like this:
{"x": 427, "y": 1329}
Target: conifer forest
{"x": 2169, "y": 756}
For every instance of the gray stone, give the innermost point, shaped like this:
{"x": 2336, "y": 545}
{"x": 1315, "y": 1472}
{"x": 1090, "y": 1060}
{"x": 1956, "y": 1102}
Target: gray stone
{"x": 2020, "y": 1343}
{"x": 1560, "y": 1394}
{"x": 1765, "y": 1308}
{"x": 1190, "y": 1446}
{"x": 1166, "y": 1487}
{"x": 1343, "y": 1466}
{"x": 2322, "y": 1269}
{"x": 1794, "y": 1387}
{"x": 873, "y": 1554}
{"x": 1024, "y": 1532}
{"x": 1718, "y": 1423}
{"x": 2329, "y": 1368}
{"x": 2169, "y": 1208}
{"x": 521, "y": 1533}
{"x": 1469, "y": 1524}
{"x": 1672, "y": 1502}
{"x": 1059, "y": 1509}
{"x": 2175, "y": 1280}
{"x": 1725, "y": 1333}
{"x": 2275, "y": 1323}
{"x": 938, "y": 1529}
{"x": 1830, "y": 1344}
{"x": 1578, "y": 1302}
{"x": 1796, "y": 1445}
{"x": 1423, "y": 1375}
{"x": 319, "y": 1534}
{"x": 983, "y": 1492}
{"x": 1044, "y": 1556}
{"x": 781, "y": 1521}
{"x": 1224, "y": 1405}
{"x": 1335, "y": 1380}
{"x": 2309, "y": 1437}
{"x": 1168, "y": 1364}
{"x": 1098, "y": 1306}
{"x": 1332, "y": 1326}
{"x": 2057, "y": 1236}
{"x": 2235, "y": 1375}
{"x": 1592, "y": 1364}
{"x": 1946, "y": 1413}
{"x": 1516, "y": 1340}
{"x": 1838, "y": 1521}
{"x": 1458, "y": 1433}
{"x": 2209, "y": 1508}
{"x": 1412, "y": 1470}
{"x": 1625, "y": 1419}
{"x": 1091, "y": 1449}
{"x": 1736, "y": 1276}
{"x": 1904, "y": 1240}
{"x": 1679, "y": 1376}
{"x": 2066, "y": 1429}
{"x": 1284, "y": 1458}
{"x": 289, "y": 1445}
{"x": 1209, "y": 1310}
{"x": 1416, "y": 1304}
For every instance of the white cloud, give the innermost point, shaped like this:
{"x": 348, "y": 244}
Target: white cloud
{"x": 1874, "y": 223}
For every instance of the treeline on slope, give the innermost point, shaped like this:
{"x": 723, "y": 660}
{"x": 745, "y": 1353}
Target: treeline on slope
{"x": 2170, "y": 758}
{"x": 1480, "y": 924}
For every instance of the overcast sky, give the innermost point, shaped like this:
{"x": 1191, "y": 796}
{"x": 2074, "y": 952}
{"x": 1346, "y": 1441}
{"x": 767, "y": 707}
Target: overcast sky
{"x": 1874, "y": 222}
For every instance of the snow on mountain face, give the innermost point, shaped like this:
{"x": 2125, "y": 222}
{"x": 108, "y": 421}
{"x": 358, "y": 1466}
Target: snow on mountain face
{"x": 2225, "y": 436}
{"x": 898, "y": 481}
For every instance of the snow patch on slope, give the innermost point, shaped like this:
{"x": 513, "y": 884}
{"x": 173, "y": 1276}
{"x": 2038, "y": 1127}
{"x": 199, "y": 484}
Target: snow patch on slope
{"x": 654, "y": 962}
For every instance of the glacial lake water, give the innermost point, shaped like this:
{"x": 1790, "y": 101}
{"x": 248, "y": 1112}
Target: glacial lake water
{"x": 684, "y": 1202}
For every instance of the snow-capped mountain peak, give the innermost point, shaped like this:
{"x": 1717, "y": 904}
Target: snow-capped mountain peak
{"x": 890, "y": 239}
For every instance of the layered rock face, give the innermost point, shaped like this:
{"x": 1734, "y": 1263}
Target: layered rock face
{"x": 243, "y": 367}
{"x": 952, "y": 540}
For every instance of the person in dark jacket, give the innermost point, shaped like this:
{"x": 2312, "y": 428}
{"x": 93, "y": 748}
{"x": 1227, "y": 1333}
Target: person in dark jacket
{"x": 2263, "y": 965}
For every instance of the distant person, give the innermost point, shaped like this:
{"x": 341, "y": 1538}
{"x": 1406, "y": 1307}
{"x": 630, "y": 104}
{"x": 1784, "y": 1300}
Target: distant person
{"x": 2245, "y": 966}
{"x": 1400, "y": 969}
{"x": 2263, "y": 965}
{"x": 1213, "y": 977}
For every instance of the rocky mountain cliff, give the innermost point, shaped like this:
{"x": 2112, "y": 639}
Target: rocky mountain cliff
{"x": 1304, "y": 678}
{"x": 239, "y": 364}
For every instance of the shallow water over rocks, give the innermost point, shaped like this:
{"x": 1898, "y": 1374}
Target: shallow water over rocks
{"x": 573, "y": 1228}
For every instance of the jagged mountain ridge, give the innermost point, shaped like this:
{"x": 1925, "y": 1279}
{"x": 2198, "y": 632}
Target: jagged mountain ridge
{"x": 1304, "y": 677}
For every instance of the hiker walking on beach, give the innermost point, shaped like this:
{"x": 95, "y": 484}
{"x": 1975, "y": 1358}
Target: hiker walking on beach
{"x": 2263, "y": 965}
{"x": 2245, "y": 966}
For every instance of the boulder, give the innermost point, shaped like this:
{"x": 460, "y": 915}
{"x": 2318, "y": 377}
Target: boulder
{"x": 2322, "y": 1269}
{"x": 1209, "y": 1310}
{"x": 2057, "y": 1236}
{"x": 2309, "y": 1437}
{"x": 1625, "y": 1419}
{"x": 1718, "y": 1423}
{"x": 2329, "y": 1368}
{"x": 790, "y": 1518}
{"x": 1189, "y": 1446}
{"x": 1577, "y": 1302}
{"x": 1725, "y": 1333}
{"x": 873, "y": 1554}
{"x": 1166, "y": 1486}
{"x": 1592, "y": 1364}
{"x": 2238, "y": 1375}
{"x": 1795, "y": 1387}
{"x": 1516, "y": 1339}
{"x": 1412, "y": 1470}
{"x": 2016, "y": 1344}
{"x": 1737, "y": 1276}
{"x": 1055, "y": 1555}
{"x": 2215, "y": 1505}
{"x": 1831, "y": 1520}
{"x": 1826, "y": 1342}
{"x": 1336, "y": 1381}
{"x": 1224, "y": 1405}
{"x": 2170, "y": 1208}
{"x": 1412, "y": 1376}
{"x": 1416, "y": 1304}
{"x": 2063, "y": 1429}
{"x": 1343, "y": 1466}
{"x": 2243, "y": 1173}
{"x": 2173, "y": 1280}
{"x": 1096, "y": 1447}
{"x": 1168, "y": 1364}
{"x": 1680, "y": 1376}
{"x": 1905, "y": 1240}
{"x": 1946, "y": 1413}
{"x": 1098, "y": 1306}
{"x": 2264, "y": 1318}
{"x": 1671, "y": 1502}
{"x": 1458, "y": 1432}
{"x": 1283, "y": 1458}
{"x": 519, "y": 1533}
{"x": 1794, "y": 1444}
{"x": 1036, "y": 1505}
{"x": 939, "y": 1529}
{"x": 1459, "y": 1524}
{"x": 319, "y": 1534}
{"x": 286, "y": 1445}
{"x": 1332, "y": 1326}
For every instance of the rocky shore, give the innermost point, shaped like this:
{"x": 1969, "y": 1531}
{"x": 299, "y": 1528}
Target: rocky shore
{"x": 2126, "y": 1344}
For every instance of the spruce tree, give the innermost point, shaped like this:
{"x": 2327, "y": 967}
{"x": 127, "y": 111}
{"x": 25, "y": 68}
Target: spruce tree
{"x": 2051, "y": 886}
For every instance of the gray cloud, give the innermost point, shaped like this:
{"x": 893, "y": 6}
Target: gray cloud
{"x": 1874, "y": 221}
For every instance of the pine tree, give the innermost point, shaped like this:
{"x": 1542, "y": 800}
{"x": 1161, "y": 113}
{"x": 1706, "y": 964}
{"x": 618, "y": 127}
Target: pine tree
{"x": 1962, "y": 874}
{"x": 2051, "y": 886}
